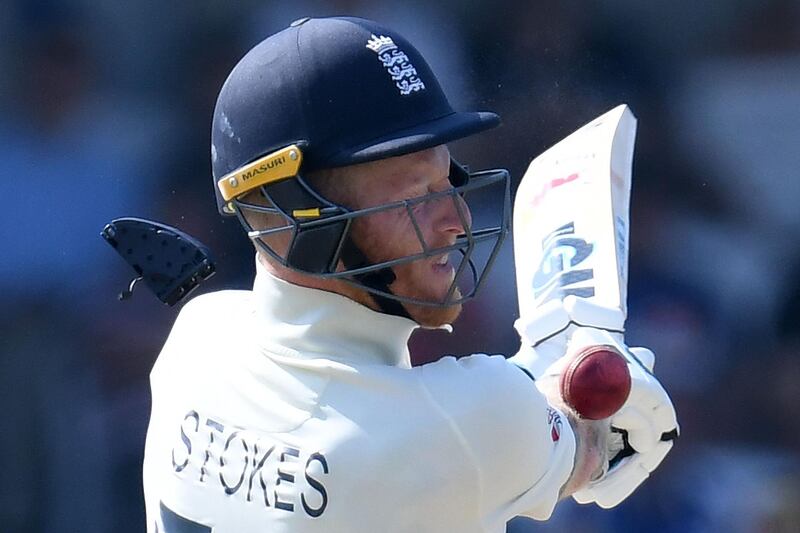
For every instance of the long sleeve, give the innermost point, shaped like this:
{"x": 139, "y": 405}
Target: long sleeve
{"x": 522, "y": 448}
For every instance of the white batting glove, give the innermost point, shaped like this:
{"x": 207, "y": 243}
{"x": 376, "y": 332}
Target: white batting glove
{"x": 643, "y": 429}
{"x": 546, "y": 334}
{"x": 642, "y": 434}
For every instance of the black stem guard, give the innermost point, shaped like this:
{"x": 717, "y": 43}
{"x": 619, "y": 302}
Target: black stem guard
{"x": 170, "y": 262}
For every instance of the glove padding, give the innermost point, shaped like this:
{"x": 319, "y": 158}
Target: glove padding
{"x": 546, "y": 334}
{"x": 641, "y": 435}
{"x": 643, "y": 429}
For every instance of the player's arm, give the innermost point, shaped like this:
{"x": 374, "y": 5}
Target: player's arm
{"x": 528, "y": 449}
{"x": 591, "y": 454}
{"x": 520, "y": 449}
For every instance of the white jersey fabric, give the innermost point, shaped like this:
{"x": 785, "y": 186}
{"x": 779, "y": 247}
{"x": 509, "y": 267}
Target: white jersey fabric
{"x": 288, "y": 409}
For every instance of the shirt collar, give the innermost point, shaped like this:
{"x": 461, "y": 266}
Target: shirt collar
{"x": 304, "y": 322}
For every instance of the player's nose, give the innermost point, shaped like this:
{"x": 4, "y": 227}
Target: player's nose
{"x": 456, "y": 217}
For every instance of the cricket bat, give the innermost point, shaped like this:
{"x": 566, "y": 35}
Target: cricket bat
{"x": 571, "y": 217}
{"x": 570, "y": 224}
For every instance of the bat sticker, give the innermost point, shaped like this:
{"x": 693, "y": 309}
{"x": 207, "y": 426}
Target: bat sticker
{"x": 562, "y": 252}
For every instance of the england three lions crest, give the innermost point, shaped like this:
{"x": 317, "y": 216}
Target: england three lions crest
{"x": 397, "y": 64}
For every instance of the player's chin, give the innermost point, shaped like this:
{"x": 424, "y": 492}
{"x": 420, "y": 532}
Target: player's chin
{"x": 421, "y": 283}
{"x": 433, "y": 317}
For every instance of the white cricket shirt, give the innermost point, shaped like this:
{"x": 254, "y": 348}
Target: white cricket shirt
{"x": 288, "y": 409}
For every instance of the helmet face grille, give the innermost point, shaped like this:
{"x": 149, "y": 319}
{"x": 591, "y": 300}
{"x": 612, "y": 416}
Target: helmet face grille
{"x": 322, "y": 245}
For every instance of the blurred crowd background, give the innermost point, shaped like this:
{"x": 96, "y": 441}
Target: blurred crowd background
{"x": 105, "y": 111}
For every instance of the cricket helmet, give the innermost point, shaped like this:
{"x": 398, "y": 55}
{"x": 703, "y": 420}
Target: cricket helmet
{"x": 327, "y": 93}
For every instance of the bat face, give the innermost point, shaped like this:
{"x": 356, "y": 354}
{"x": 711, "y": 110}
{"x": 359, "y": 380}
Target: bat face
{"x": 571, "y": 217}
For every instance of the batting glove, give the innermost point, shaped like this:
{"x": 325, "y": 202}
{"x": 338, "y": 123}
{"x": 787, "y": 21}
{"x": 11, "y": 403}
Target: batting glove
{"x": 644, "y": 428}
{"x": 642, "y": 433}
{"x": 546, "y": 334}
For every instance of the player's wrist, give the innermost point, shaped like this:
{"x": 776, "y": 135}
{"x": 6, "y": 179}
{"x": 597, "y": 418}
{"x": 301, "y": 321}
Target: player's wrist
{"x": 591, "y": 456}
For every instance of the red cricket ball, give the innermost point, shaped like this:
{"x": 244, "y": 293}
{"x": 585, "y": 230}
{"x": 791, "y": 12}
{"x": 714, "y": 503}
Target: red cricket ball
{"x": 596, "y": 383}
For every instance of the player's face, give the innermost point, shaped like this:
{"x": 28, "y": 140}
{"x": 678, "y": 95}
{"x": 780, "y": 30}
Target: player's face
{"x": 391, "y": 234}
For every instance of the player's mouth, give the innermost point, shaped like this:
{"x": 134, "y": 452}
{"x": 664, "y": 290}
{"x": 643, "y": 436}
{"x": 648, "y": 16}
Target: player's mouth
{"x": 441, "y": 265}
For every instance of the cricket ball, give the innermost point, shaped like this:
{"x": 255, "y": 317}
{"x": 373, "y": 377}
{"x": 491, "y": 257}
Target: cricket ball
{"x": 596, "y": 383}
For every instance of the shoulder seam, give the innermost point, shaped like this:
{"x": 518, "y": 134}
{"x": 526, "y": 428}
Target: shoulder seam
{"x": 459, "y": 436}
